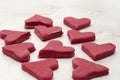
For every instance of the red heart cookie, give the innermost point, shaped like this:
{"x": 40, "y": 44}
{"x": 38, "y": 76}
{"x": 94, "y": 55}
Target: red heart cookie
{"x": 13, "y": 37}
{"x": 38, "y": 20}
{"x": 86, "y": 70}
{"x": 20, "y": 52}
{"x": 80, "y": 37}
{"x": 77, "y": 23}
{"x": 55, "y": 49}
{"x": 97, "y": 52}
{"x": 42, "y": 70}
{"x": 45, "y": 33}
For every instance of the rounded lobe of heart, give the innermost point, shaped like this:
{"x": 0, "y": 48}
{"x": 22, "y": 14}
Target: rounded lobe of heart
{"x": 38, "y": 20}
{"x": 54, "y": 43}
{"x": 3, "y": 34}
{"x": 77, "y": 24}
{"x": 28, "y": 45}
{"x": 23, "y": 55}
{"x": 80, "y": 37}
{"x": 97, "y": 52}
{"x": 85, "y": 70}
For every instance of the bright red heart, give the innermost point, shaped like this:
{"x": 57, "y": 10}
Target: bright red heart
{"x": 97, "y": 52}
{"x": 20, "y": 52}
{"x": 13, "y": 37}
{"x": 38, "y": 20}
{"x": 42, "y": 70}
{"x": 86, "y": 70}
{"x": 77, "y": 24}
{"x": 45, "y": 33}
{"x": 55, "y": 49}
{"x": 80, "y": 37}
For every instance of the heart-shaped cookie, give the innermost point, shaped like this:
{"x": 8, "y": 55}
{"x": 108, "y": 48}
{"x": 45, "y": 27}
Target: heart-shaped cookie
{"x": 77, "y": 24}
{"x": 45, "y": 33}
{"x": 98, "y": 51}
{"x": 80, "y": 37}
{"x": 86, "y": 70}
{"x": 38, "y": 20}
{"x": 20, "y": 52}
{"x": 55, "y": 49}
{"x": 13, "y": 37}
{"x": 42, "y": 70}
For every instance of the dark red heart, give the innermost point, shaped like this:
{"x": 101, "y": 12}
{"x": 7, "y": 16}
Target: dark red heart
{"x": 13, "y": 37}
{"x": 55, "y": 49}
{"x": 97, "y": 52}
{"x": 42, "y": 70}
{"x": 20, "y": 52}
{"x": 38, "y": 20}
{"x": 86, "y": 70}
{"x": 77, "y": 24}
{"x": 45, "y": 33}
{"x": 80, "y": 37}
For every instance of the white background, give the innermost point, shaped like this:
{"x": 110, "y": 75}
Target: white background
{"x": 105, "y": 16}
